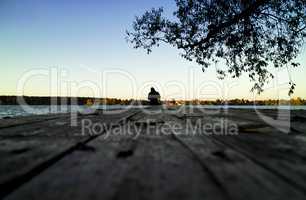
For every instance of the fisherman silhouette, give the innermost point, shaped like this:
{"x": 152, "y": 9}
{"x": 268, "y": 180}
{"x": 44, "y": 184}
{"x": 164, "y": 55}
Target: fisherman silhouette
{"x": 154, "y": 97}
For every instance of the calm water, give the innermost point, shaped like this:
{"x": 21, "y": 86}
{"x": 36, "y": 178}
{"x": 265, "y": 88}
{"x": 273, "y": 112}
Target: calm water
{"x": 16, "y": 110}
{"x": 254, "y": 107}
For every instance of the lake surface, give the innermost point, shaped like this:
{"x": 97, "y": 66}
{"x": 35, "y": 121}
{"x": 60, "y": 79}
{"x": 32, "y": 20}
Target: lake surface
{"x": 17, "y": 110}
{"x": 283, "y": 107}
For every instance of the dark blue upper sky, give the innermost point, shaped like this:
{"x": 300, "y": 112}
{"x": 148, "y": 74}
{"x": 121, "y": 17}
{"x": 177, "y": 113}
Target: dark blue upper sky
{"x": 79, "y": 34}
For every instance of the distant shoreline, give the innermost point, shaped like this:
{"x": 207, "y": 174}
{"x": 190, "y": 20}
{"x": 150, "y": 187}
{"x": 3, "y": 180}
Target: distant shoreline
{"x": 36, "y": 100}
{"x": 16, "y": 111}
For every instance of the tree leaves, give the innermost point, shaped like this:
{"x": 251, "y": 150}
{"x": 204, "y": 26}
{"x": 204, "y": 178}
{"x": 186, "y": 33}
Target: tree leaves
{"x": 248, "y": 35}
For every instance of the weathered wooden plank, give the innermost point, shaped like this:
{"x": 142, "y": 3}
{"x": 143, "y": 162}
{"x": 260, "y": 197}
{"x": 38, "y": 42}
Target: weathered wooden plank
{"x": 239, "y": 176}
{"x": 56, "y": 127}
{"x": 121, "y": 168}
{"x": 157, "y": 166}
{"x": 296, "y": 117}
{"x": 81, "y": 175}
{"x": 282, "y": 155}
{"x": 163, "y": 169}
{"x": 25, "y": 154}
{"x": 12, "y": 122}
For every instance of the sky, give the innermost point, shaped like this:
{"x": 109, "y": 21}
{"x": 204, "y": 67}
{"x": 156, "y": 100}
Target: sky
{"x": 78, "y": 48}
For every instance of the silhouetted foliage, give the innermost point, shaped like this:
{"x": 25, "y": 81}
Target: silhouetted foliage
{"x": 273, "y": 102}
{"x": 249, "y": 35}
{"x": 32, "y": 100}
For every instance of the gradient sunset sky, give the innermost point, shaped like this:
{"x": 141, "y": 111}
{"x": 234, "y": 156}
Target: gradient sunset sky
{"x": 83, "y": 40}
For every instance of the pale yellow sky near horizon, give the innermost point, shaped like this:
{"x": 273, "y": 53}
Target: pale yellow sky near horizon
{"x": 88, "y": 51}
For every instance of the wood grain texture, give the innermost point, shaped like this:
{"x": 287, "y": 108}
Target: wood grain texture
{"x": 28, "y": 149}
{"x": 260, "y": 162}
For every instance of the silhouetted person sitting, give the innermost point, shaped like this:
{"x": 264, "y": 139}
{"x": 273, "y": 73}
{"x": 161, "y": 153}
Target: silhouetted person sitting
{"x": 154, "y": 97}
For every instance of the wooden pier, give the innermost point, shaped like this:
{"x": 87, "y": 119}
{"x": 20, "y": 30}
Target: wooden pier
{"x": 155, "y": 154}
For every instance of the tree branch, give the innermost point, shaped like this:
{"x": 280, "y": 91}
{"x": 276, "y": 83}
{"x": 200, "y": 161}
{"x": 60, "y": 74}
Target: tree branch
{"x": 246, "y": 13}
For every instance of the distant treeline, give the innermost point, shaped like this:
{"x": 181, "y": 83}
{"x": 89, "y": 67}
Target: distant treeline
{"x": 13, "y": 100}
{"x": 293, "y": 101}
